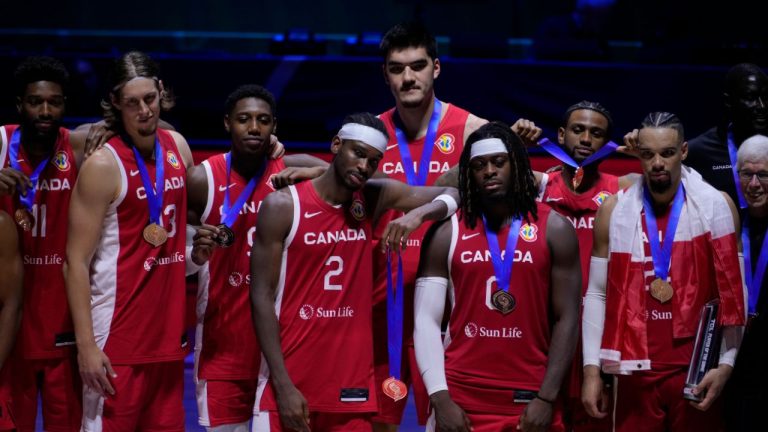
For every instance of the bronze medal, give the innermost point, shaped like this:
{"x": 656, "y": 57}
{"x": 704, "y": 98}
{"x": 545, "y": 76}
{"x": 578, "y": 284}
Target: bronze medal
{"x": 661, "y": 290}
{"x": 503, "y": 301}
{"x": 394, "y": 388}
{"x": 577, "y": 177}
{"x": 24, "y": 219}
{"x": 226, "y": 236}
{"x": 155, "y": 235}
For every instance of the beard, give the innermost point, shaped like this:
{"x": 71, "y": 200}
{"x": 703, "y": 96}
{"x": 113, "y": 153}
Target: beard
{"x": 660, "y": 186}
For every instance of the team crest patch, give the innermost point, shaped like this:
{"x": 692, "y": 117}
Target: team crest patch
{"x": 445, "y": 143}
{"x": 357, "y": 210}
{"x": 61, "y": 161}
{"x": 171, "y": 157}
{"x": 528, "y": 232}
{"x": 600, "y": 197}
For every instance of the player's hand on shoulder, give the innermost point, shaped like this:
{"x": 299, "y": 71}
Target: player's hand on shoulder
{"x": 276, "y": 148}
{"x": 98, "y": 135}
{"x": 449, "y": 417}
{"x": 293, "y": 175}
{"x": 630, "y": 143}
{"x": 12, "y": 180}
{"x": 527, "y": 131}
{"x": 203, "y": 243}
{"x": 397, "y": 231}
{"x": 94, "y": 366}
{"x": 293, "y": 409}
{"x": 536, "y": 417}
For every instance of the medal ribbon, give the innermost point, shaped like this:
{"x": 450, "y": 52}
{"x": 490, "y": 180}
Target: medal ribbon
{"x": 502, "y": 266}
{"x": 754, "y": 280}
{"x": 420, "y": 178}
{"x": 27, "y": 197}
{"x": 154, "y": 195}
{"x": 662, "y": 253}
{"x": 732, "y": 155}
{"x": 558, "y": 152}
{"x": 228, "y": 217}
{"x": 395, "y": 316}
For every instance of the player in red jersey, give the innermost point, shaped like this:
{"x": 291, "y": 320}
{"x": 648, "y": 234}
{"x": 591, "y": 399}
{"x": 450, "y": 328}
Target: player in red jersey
{"x": 39, "y": 161}
{"x": 662, "y": 249}
{"x": 586, "y": 129}
{"x": 312, "y": 284}
{"x": 10, "y": 310}
{"x": 513, "y": 316}
{"x": 225, "y": 193}
{"x": 125, "y": 261}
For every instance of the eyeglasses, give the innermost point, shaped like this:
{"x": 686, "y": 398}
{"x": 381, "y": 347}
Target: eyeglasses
{"x": 746, "y": 176}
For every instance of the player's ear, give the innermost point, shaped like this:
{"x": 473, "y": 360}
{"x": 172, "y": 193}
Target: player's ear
{"x": 336, "y": 144}
{"x": 226, "y": 123}
{"x": 436, "y": 72}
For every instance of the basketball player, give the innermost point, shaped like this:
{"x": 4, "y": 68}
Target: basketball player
{"x": 10, "y": 312}
{"x": 125, "y": 261}
{"x": 312, "y": 284}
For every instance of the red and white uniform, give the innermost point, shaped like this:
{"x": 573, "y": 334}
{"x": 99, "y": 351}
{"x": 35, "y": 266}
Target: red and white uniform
{"x": 226, "y": 348}
{"x": 449, "y": 142}
{"x": 46, "y": 331}
{"x": 138, "y": 291}
{"x": 323, "y": 305}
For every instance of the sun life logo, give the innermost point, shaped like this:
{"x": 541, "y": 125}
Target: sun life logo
{"x": 235, "y": 279}
{"x": 470, "y": 330}
{"x": 149, "y": 263}
{"x": 306, "y": 312}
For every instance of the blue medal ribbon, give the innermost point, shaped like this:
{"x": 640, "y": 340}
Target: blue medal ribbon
{"x": 154, "y": 195}
{"x": 395, "y": 316}
{"x": 662, "y": 253}
{"x": 26, "y": 197}
{"x": 558, "y": 152}
{"x": 502, "y": 266}
{"x": 420, "y": 178}
{"x": 754, "y": 280}
{"x": 228, "y": 217}
{"x": 733, "y": 156}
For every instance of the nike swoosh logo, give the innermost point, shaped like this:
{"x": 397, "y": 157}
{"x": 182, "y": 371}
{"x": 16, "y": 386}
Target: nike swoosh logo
{"x": 469, "y": 236}
{"x": 311, "y": 215}
{"x": 392, "y": 146}
{"x": 553, "y": 199}
{"x": 223, "y": 188}
{"x": 134, "y": 173}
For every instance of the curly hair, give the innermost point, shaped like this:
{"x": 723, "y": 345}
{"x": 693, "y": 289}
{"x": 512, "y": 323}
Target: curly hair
{"x": 34, "y": 69}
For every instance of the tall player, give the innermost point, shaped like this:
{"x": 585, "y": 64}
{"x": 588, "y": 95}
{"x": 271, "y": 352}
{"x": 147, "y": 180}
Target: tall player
{"x": 10, "y": 312}
{"x": 312, "y": 283}
{"x": 225, "y": 193}
{"x": 125, "y": 261}
{"x": 39, "y": 161}
{"x": 514, "y": 311}
{"x": 662, "y": 249}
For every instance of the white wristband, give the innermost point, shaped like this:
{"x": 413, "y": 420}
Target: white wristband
{"x": 450, "y": 202}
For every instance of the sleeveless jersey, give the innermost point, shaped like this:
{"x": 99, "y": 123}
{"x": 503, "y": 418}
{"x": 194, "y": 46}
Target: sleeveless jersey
{"x": 323, "y": 305}
{"x": 489, "y": 355}
{"x": 226, "y": 343}
{"x": 138, "y": 291}
{"x": 449, "y": 143}
{"x": 579, "y": 209}
{"x": 46, "y": 325}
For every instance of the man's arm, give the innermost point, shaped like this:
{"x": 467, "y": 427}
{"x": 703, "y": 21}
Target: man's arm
{"x": 565, "y": 293}
{"x": 97, "y": 186}
{"x": 273, "y": 225}
{"x": 184, "y": 151}
{"x": 11, "y": 285}
{"x": 200, "y": 237}
{"x": 593, "y": 394}
{"x": 299, "y": 167}
{"x": 429, "y": 304}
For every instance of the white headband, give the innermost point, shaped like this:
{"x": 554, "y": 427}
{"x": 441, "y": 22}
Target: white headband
{"x": 487, "y": 146}
{"x": 368, "y": 135}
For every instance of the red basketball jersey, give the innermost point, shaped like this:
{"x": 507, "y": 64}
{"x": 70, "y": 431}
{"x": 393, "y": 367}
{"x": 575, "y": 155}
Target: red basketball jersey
{"x": 46, "y": 325}
{"x": 489, "y": 355}
{"x": 580, "y": 209}
{"x": 449, "y": 143}
{"x": 137, "y": 290}
{"x": 324, "y": 305}
{"x": 226, "y": 343}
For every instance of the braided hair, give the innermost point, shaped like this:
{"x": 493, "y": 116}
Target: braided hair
{"x": 522, "y": 192}
{"x": 661, "y": 119}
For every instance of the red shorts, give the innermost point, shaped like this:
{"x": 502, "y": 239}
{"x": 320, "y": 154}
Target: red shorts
{"x": 489, "y": 422}
{"x": 147, "y": 397}
{"x": 652, "y": 401}
{"x": 222, "y": 402}
{"x": 269, "y": 421}
{"x": 57, "y": 382}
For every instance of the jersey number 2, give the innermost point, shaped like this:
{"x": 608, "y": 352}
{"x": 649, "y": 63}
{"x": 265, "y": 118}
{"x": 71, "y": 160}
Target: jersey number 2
{"x": 327, "y": 285}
